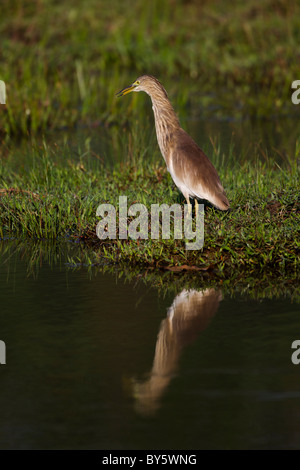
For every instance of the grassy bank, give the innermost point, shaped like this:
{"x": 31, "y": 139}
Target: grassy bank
{"x": 77, "y": 256}
{"x": 52, "y": 200}
{"x": 63, "y": 63}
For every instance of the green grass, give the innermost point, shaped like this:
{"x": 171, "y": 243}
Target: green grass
{"x": 77, "y": 256}
{"x": 53, "y": 200}
{"x": 63, "y": 63}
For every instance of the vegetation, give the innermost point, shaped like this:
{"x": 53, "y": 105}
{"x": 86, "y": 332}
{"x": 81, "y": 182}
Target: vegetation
{"x": 77, "y": 256}
{"x": 260, "y": 233}
{"x": 63, "y": 63}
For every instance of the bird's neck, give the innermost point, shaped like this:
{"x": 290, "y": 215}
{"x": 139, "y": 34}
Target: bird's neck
{"x": 166, "y": 123}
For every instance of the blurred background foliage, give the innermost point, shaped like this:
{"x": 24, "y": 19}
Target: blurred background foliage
{"x": 64, "y": 61}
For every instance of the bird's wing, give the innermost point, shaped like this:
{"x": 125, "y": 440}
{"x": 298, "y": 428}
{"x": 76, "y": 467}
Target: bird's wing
{"x": 197, "y": 172}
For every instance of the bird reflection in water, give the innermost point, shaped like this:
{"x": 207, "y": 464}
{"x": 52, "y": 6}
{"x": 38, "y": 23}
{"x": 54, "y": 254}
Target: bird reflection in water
{"x": 188, "y": 316}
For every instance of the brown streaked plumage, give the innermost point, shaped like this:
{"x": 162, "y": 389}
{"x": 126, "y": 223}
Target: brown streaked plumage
{"x": 191, "y": 170}
{"x": 188, "y": 316}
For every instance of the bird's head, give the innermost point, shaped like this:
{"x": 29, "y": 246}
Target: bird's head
{"x": 145, "y": 83}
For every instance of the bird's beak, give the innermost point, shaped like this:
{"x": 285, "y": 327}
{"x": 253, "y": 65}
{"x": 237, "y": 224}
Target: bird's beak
{"x": 125, "y": 91}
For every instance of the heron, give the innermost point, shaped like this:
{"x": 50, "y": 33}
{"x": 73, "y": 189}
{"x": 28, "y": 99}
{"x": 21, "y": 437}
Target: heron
{"x": 191, "y": 170}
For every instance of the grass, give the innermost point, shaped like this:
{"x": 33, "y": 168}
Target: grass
{"x": 77, "y": 256}
{"x": 63, "y": 64}
{"x": 62, "y": 71}
{"x": 54, "y": 200}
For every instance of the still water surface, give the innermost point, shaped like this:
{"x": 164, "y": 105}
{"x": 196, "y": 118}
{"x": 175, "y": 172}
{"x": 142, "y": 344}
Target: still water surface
{"x": 94, "y": 361}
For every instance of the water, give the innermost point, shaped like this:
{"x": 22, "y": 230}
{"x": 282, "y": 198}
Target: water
{"x": 244, "y": 139}
{"x": 235, "y": 140}
{"x": 98, "y": 361}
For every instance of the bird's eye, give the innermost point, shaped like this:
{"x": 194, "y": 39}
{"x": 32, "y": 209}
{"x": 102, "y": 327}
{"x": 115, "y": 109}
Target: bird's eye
{"x": 137, "y": 82}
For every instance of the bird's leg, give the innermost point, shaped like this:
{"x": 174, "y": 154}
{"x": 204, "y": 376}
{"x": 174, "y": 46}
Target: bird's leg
{"x": 189, "y": 204}
{"x": 196, "y": 207}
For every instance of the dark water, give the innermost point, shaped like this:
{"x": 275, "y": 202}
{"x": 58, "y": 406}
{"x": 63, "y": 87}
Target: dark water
{"x": 93, "y": 361}
{"x": 225, "y": 140}
{"x": 237, "y": 139}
